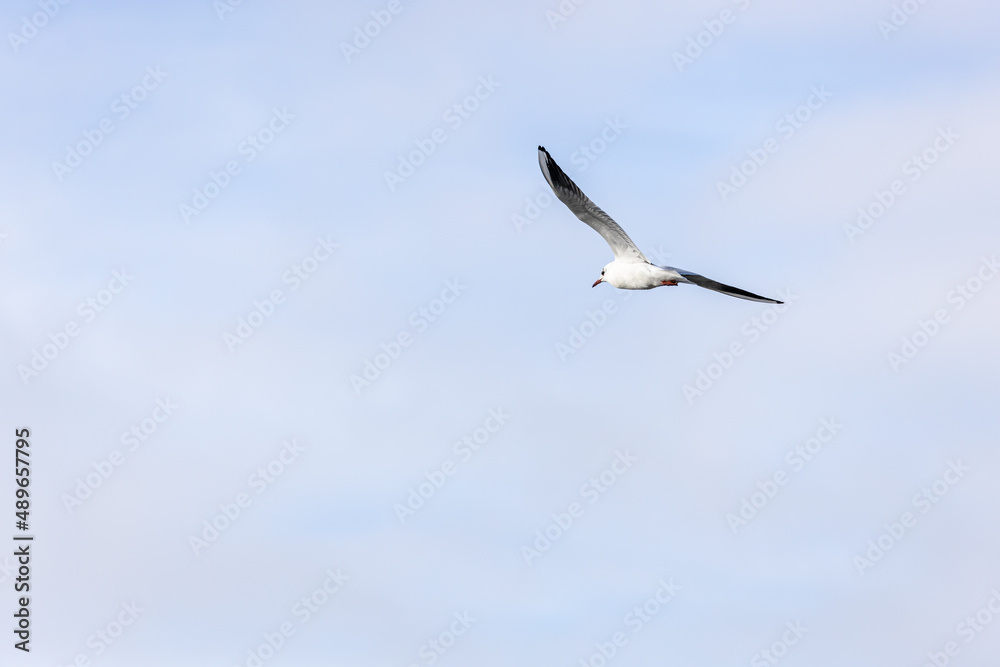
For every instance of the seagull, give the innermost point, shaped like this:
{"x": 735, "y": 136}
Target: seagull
{"x": 630, "y": 269}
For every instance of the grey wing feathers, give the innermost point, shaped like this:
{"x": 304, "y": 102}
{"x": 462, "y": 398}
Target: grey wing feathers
{"x": 602, "y": 223}
{"x": 708, "y": 283}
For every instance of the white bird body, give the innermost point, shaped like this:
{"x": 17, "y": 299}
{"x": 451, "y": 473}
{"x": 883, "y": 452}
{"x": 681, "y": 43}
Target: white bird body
{"x": 639, "y": 275}
{"x": 630, "y": 268}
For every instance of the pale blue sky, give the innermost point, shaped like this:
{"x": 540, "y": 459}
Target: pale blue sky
{"x": 332, "y": 128}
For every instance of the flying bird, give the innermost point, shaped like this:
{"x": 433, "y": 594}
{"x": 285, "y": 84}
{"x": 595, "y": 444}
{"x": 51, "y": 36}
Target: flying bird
{"x": 630, "y": 268}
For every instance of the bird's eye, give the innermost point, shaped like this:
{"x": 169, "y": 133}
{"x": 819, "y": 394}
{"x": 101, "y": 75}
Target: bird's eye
{"x": 602, "y": 272}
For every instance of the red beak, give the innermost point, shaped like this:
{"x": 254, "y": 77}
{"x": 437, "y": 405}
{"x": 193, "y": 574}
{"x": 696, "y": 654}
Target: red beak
{"x": 599, "y": 281}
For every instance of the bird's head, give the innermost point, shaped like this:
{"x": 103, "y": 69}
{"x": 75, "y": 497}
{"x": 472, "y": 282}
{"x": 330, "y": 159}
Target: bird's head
{"x": 601, "y": 279}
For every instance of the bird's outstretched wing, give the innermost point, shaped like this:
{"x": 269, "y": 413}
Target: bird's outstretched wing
{"x": 708, "y": 283}
{"x": 602, "y": 223}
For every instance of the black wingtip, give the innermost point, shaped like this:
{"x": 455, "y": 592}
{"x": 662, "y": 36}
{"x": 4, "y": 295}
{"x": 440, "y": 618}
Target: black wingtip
{"x": 557, "y": 175}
